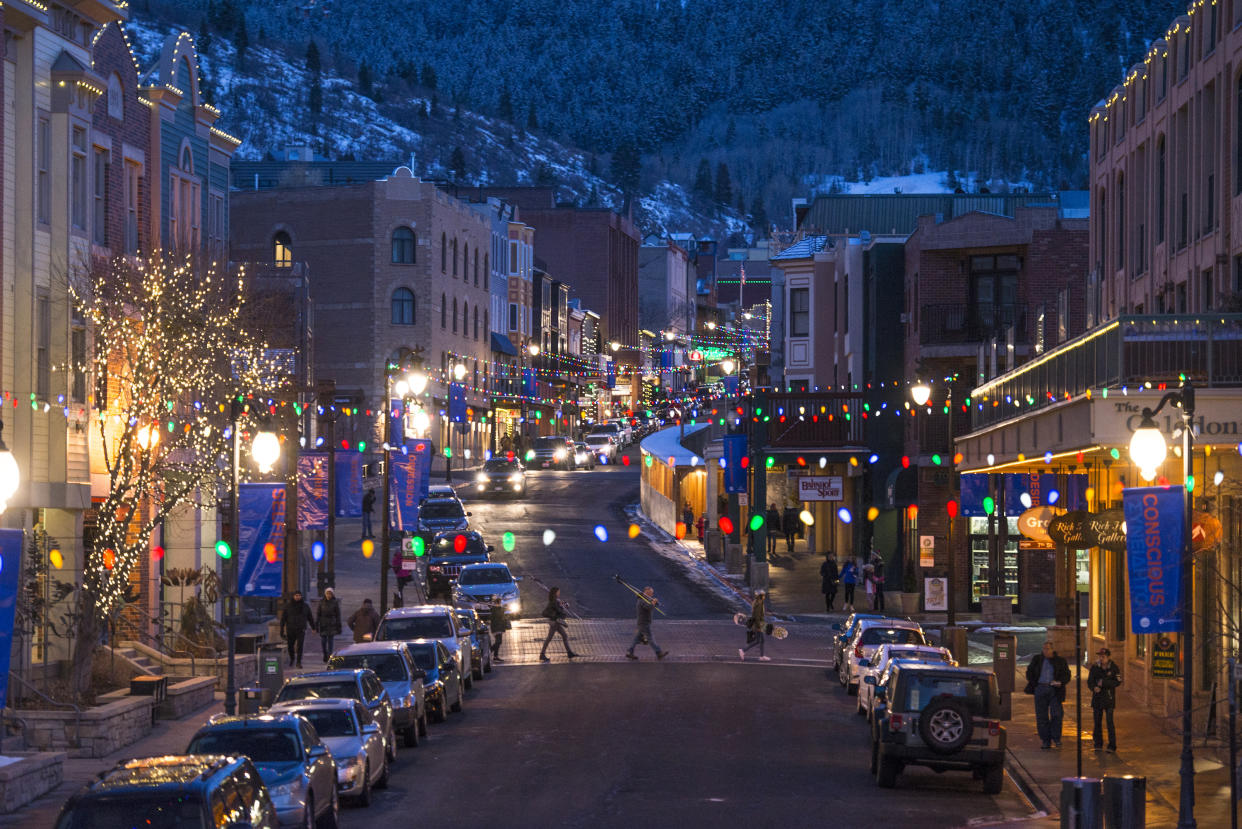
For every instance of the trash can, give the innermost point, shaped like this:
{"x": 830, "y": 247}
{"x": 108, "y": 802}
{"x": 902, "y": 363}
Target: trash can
{"x": 1125, "y": 801}
{"x": 251, "y": 700}
{"x": 271, "y": 666}
{"x": 247, "y": 642}
{"x": 1080, "y": 803}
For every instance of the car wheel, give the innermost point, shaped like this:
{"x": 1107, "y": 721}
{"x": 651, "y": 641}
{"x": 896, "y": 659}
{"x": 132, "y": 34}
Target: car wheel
{"x": 994, "y": 779}
{"x": 886, "y": 771}
{"x": 309, "y": 819}
{"x": 852, "y": 689}
{"x": 422, "y": 724}
{"x": 392, "y": 746}
{"x": 364, "y": 798}
{"x": 945, "y": 725}
{"x": 441, "y": 714}
{"x": 382, "y": 782}
{"x": 875, "y": 756}
{"x": 456, "y": 706}
{"x": 469, "y": 683}
{"x": 476, "y": 670}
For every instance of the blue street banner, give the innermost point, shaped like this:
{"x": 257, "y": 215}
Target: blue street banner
{"x": 1071, "y": 491}
{"x": 423, "y": 449}
{"x": 730, "y": 385}
{"x": 457, "y": 403}
{"x": 734, "y": 471}
{"x": 528, "y": 382}
{"x": 262, "y": 510}
{"x": 610, "y": 375}
{"x": 348, "y": 483}
{"x": 313, "y": 491}
{"x": 404, "y": 486}
{"x": 1155, "y": 523}
{"x": 10, "y": 567}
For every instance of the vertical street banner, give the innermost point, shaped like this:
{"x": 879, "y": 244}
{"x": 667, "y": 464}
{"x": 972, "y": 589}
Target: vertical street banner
{"x": 262, "y": 510}
{"x": 1155, "y": 523}
{"x": 313, "y": 491}
{"x": 528, "y": 382}
{"x": 734, "y": 468}
{"x": 610, "y": 375}
{"x": 348, "y": 483}
{"x": 10, "y": 568}
{"x": 422, "y": 448}
{"x": 730, "y": 385}
{"x": 407, "y": 488}
{"x": 457, "y": 403}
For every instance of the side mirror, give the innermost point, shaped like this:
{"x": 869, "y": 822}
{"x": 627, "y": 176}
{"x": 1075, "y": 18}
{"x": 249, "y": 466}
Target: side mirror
{"x": 317, "y": 751}
{"x": 420, "y": 674}
{"x": 469, "y": 514}
{"x": 370, "y": 728}
{"x": 868, "y": 680}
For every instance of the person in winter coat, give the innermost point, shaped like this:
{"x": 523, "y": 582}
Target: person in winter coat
{"x": 829, "y": 576}
{"x": 772, "y": 518}
{"x": 1103, "y": 680}
{"x": 687, "y": 516}
{"x": 328, "y": 620}
{"x": 1046, "y": 678}
{"x": 876, "y": 576}
{"x": 364, "y": 622}
{"x": 756, "y": 627}
{"x": 499, "y": 623}
{"x": 790, "y": 525}
{"x": 849, "y": 579}
{"x": 368, "y": 506}
{"x": 556, "y": 614}
{"x": 642, "y": 633}
{"x": 294, "y": 620}
{"x": 701, "y": 526}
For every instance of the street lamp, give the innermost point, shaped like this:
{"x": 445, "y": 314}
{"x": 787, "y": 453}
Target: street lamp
{"x": 10, "y": 475}
{"x": 459, "y": 372}
{"x": 727, "y": 366}
{"x": 921, "y": 393}
{"x": 614, "y": 345}
{"x": 1147, "y": 450}
{"x": 409, "y": 384}
{"x": 265, "y": 450}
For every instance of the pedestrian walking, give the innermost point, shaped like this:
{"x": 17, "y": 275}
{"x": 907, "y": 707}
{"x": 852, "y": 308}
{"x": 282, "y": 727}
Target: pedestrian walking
{"x": 756, "y": 627}
{"x": 829, "y": 575}
{"x": 687, "y": 516}
{"x": 364, "y": 622}
{"x": 790, "y": 524}
{"x": 1103, "y": 679}
{"x": 877, "y": 581}
{"x": 1046, "y": 677}
{"x": 499, "y": 623}
{"x": 849, "y": 580}
{"x": 368, "y": 506}
{"x": 328, "y": 620}
{"x": 294, "y": 620}
{"x": 556, "y": 614}
{"x": 642, "y": 634}
{"x": 701, "y": 527}
{"x": 772, "y": 519}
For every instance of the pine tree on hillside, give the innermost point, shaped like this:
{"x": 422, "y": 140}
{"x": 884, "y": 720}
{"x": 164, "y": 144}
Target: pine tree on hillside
{"x": 365, "y": 86}
{"x": 429, "y": 77}
{"x": 532, "y": 123}
{"x": 203, "y": 44}
{"x": 758, "y": 216}
{"x": 241, "y": 41}
{"x": 313, "y": 68}
{"x": 723, "y": 192}
{"x": 505, "y": 110}
{"x": 457, "y": 164}
{"x": 703, "y": 179}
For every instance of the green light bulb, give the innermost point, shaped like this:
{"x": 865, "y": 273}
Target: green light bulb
{"x": 989, "y": 505}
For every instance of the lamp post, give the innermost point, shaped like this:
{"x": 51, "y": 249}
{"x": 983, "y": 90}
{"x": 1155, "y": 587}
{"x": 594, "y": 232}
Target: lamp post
{"x": 1147, "y": 450}
{"x": 265, "y": 449}
{"x": 921, "y": 393}
{"x": 413, "y": 383}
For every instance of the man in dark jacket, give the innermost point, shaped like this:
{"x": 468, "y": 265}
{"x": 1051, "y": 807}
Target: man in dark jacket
{"x": 328, "y": 620}
{"x": 790, "y": 524}
{"x": 1046, "y": 678}
{"x": 294, "y": 621}
{"x": 368, "y": 506}
{"x": 642, "y": 635}
{"x": 364, "y": 622}
{"x": 773, "y": 520}
{"x": 499, "y": 623}
{"x": 1103, "y": 680}
{"x": 829, "y": 575}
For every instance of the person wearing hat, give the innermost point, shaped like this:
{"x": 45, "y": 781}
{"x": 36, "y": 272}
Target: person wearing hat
{"x": 1103, "y": 679}
{"x": 756, "y": 627}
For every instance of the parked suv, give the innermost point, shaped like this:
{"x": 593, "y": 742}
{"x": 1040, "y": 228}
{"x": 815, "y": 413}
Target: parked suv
{"x": 447, "y": 554}
{"x": 172, "y": 792}
{"x": 941, "y": 717}
{"x": 401, "y": 678}
{"x": 429, "y": 621}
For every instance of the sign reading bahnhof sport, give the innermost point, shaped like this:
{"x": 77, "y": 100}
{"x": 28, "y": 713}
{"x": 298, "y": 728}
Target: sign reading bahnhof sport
{"x": 1155, "y": 521}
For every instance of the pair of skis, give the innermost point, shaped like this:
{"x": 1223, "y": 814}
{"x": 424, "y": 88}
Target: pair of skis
{"x": 640, "y": 594}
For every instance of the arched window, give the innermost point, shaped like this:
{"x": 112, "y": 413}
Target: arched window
{"x": 443, "y": 253}
{"x": 487, "y": 325}
{"x": 116, "y": 99}
{"x": 465, "y": 319}
{"x": 454, "y": 315}
{"x": 454, "y": 257}
{"x": 465, "y": 260}
{"x": 443, "y": 311}
{"x": 476, "y": 267}
{"x": 403, "y": 246}
{"x": 486, "y": 272}
{"x": 282, "y": 249}
{"x": 476, "y": 322}
{"x": 187, "y": 159}
{"x": 403, "y": 307}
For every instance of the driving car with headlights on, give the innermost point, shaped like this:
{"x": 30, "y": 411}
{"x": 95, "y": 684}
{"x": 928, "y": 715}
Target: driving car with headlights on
{"x": 478, "y": 584}
{"x": 352, "y": 739}
{"x": 447, "y": 554}
{"x": 604, "y": 447}
{"x": 501, "y": 476}
{"x": 553, "y": 453}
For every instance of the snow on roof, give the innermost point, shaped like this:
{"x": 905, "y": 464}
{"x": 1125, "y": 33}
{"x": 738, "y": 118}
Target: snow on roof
{"x": 803, "y": 248}
{"x": 666, "y": 443}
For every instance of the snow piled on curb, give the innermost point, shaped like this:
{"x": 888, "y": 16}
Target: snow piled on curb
{"x": 698, "y": 570}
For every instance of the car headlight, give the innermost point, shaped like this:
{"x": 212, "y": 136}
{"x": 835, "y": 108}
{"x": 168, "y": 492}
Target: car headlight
{"x": 513, "y": 606}
{"x": 481, "y": 478}
{"x": 515, "y": 478}
{"x": 560, "y": 454}
{"x": 349, "y": 769}
{"x": 291, "y": 789}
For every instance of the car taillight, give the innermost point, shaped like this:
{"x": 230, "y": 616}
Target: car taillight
{"x": 994, "y": 728}
{"x": 858, "y": 651}
{"x": 895, "y": 722}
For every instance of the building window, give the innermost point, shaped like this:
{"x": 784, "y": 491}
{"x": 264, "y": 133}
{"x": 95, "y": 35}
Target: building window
{"x": 403, "y": 246}
{"x": 132, "y": 174}
{"x": 454, "y": 315}
{"x": 283, "y": 249}
{"x": 454, "y": 254}
{"x": 77, "y": 179}
{"x": 465, "y": 319}
{"x": 77, "y": 346}
{"x": 116, "y": 105}
{"x": 1181, "y": 297}
{"x": 1208, "y": 289}
{"x": 43, "y": 137}
{"x": 1161, "y": 195}
{"x": 487, "y": 326}
{"x": 513, "y": 258}
{"x": 465, "y": 261}
{"x": 443, "y": 311}
{"x": 1211, "y": 33}
{"x": 486, "y": 273}
{"x": 1121, "y": 221}
{"x": 99, "y": 225}
{"x": 443, "y": 253}
{"x": 403, "y": 307}
{"x": 513, "y": 309}
{"x": 476, "y": 322}
{"x": 476, "y": 269}
{"x": 43, "y": 359}
{"x": 799, "y": 312}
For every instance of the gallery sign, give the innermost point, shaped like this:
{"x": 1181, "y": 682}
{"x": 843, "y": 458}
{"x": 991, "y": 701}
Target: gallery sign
{"x": 820, "y": 488}
{"x": 1070, "y": 530}
{"x": 1108, "y": 530}
{"x": 1033, "y": 523}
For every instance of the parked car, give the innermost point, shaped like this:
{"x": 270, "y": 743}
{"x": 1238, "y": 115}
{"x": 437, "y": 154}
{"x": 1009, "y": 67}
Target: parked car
{"x": 612, "y": 430}
{"x": 429, "y": 621}
{"x": 844, "y": 632}
{"x": 353, "y": 683}
{"x": 626, "y": 428}
{"x": 446, "y": 688}
{"x": 469, "y": 623}
{"x": 867, "y": 638}
{"x": 553, "y": 452}
{"x": 447, "y": 554}
{"x": 293, "y": 762}
{"x": 478, "y": 584}
{"x": 877, "y": 664}
{"x": 401, "y": 678}
{"x": 501, "y": 476}
{"x": 442, "y": 515}
{"x": 584, "y": 458}
{"x": 941, "y": 717}
{"x": 440, "y": 492}
{"x": 353, "y": 740}
{"x": 172, "y": 792}
{"x": 604, "y": 446}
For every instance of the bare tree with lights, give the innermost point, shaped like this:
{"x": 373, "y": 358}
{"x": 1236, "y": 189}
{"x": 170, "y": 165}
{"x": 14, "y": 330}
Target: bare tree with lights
{"x": 172, "y": 346}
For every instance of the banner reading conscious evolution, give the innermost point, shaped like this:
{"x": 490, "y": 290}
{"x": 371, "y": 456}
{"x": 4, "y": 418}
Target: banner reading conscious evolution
{"x": 1155, "y": 522}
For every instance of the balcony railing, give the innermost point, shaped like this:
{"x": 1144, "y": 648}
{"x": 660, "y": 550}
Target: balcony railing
{"x": 815, "y": 420}
{"x": 962, "y": 323}
{"x": 1207, "y": 348}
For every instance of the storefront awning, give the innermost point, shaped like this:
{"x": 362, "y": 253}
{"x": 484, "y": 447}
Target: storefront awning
{"x": 502, "y": 344}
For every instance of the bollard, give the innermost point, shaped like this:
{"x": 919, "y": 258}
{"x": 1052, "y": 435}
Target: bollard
{"x": 1125, "y": 802}
{"x": 1080, "y": 803}
{"x": 954, "y": 638}
{"x": 271, "y": 666}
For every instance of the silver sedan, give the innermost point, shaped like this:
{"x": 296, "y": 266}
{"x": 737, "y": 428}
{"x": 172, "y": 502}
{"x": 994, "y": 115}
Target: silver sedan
{"x": 345, "y": 727}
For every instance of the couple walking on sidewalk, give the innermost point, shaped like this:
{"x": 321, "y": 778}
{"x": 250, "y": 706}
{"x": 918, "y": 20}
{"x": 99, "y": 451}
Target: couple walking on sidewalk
{"x": 1046, "y": 679}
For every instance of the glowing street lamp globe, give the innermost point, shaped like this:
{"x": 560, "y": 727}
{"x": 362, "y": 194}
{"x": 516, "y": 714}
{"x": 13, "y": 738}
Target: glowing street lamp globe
{"x": 459, "y": 371}
{"x": 534, "y": 350}
{"x": 401, "y": 387}
{"x": 727, "y": 366}
{"x": 266, "y": 450}
{"x": 920, "y": 393}
{"x": 10, "y": 475}
{"x": 1147, "y": 447}
{"x": 417, "y": 382}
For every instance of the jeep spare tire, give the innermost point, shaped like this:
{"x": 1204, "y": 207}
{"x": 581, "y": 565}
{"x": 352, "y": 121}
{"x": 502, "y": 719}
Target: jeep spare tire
{"x": 945, "y": 725}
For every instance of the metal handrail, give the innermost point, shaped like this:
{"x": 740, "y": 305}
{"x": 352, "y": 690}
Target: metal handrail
{"x": 11, "y": 712}
{"x": 159, "y": 644}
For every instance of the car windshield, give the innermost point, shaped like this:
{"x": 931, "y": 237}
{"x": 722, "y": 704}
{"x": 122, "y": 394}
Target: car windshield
{"x": 148, "y": 810}
{"x": 389, "y": 667}
{"x": 549, "y": 443}
{"x": 261, "y": 745}
{"x": 415, "y": 627}
{"x": 597, "y": 440}
{"x": 424, "y": 657}
{"x": 921, "y": 689}
{"x": 485, "y": 575}
{"x": 330, "y": 722}
{"x": 441, "y": 508}
{"x": 500, "y": 466}
{"x": 336, "y": 689}
{"x": 878, "y": 636}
